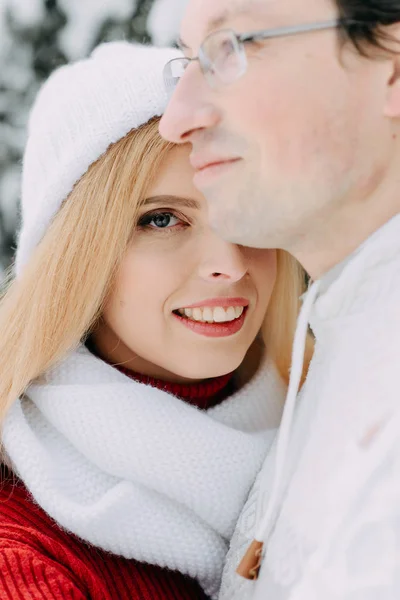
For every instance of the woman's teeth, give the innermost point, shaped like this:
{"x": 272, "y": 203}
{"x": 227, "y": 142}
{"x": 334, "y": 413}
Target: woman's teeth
{"x": 212, "y": 315}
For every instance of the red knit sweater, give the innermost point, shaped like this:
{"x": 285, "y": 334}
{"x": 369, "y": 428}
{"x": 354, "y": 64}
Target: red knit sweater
{"x": 41, "y": 561}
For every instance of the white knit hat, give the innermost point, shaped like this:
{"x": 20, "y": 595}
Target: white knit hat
{"x": 82, "y": 109}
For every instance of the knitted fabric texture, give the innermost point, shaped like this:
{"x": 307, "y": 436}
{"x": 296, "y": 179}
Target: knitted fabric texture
{"x": 80, "y": 110}
{"x": 133, "y": 470}
{"x": 41, "y": 561}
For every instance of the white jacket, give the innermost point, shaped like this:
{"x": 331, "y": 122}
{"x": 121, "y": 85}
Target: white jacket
{"x": 330, "y": 519}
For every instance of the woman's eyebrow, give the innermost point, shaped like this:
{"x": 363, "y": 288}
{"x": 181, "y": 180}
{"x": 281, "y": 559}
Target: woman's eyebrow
{"x": 172, "y": 200}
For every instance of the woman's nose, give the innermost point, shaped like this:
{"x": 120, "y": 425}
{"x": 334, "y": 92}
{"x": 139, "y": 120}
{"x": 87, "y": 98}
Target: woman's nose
{"x": 222, "y": 261}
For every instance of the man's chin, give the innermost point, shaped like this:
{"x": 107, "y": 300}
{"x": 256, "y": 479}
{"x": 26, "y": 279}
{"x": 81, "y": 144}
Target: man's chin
{"x": 228, "y": 227}
{"x": 237, "y": 231}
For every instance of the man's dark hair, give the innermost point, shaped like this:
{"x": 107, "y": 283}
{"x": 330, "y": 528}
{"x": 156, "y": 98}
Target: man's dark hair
{"x": 364, "y": 22}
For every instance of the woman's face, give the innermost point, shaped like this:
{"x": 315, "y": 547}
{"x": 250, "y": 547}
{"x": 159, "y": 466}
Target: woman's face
{"x": 186, "y": 305}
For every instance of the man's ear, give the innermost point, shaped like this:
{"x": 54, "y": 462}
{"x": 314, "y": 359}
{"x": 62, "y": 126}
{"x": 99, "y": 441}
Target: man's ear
{"x": 392, "y": 104}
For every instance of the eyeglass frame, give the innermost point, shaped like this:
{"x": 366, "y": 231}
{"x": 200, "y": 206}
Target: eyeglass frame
{"x": 255, "y": 36}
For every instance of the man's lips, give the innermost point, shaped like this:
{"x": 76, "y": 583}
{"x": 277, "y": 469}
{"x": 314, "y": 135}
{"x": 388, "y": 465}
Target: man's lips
{"x": 201, "y": 163}
{"x": 209, "y": 171}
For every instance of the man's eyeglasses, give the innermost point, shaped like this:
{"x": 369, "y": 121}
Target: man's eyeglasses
{"x": 222, "y": 55}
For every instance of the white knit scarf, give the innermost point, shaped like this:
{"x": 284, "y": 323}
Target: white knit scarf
{"x": 136, "y": 471}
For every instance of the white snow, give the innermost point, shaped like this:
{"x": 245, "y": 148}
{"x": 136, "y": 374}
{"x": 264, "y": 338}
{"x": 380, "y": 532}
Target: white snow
{"x": 5, "y": 39}
{"x": 164, "y": 21}
{"x": 9, "y": 192}
{"x": 85, "y": 18}
{"x": 26, "y": 13}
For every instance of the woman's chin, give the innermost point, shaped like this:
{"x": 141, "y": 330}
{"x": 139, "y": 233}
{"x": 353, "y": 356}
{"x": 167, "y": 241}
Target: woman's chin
{"x": 201, "y": 370}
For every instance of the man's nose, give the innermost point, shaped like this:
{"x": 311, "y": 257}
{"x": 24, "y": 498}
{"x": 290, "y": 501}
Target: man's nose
{"x": 190, "y": 109}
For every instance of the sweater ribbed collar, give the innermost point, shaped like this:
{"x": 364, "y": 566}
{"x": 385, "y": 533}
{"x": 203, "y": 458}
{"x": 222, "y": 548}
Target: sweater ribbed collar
{"x": 203, "y": 394}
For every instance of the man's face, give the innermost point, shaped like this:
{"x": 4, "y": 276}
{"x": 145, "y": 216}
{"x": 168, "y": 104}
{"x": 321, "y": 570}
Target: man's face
{"x": 298, "y": 135}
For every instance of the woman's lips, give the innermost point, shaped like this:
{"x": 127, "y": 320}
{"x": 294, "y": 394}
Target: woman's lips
{"x": 224, "y": 301}
{"x": 214, "y": 330}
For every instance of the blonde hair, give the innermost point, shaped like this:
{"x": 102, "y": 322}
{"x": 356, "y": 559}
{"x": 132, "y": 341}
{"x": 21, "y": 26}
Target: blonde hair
{"x": 50, "y": 308}
{"x": 281, "y": 318}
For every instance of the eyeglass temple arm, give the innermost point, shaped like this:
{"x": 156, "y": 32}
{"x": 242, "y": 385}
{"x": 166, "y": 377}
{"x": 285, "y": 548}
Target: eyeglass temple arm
{"x": 283, "y": 31}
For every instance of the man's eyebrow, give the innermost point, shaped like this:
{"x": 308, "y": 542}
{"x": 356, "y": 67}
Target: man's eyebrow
{"x": 172, "y": 201}
{"x": 229, "y": 13}
{"x": 181, "y": 44}
{"x": 218, "y": 22}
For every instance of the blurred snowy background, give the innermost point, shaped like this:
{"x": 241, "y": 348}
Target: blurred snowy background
{"x": 36, "y": 36}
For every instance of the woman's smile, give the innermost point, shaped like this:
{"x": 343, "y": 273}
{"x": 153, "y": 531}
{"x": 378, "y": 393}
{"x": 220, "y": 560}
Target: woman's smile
{"x": 216, "y": 317}
{"x": 217, "y": 322}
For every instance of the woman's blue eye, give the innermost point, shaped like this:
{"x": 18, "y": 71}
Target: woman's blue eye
{"x": 163, "y": 220}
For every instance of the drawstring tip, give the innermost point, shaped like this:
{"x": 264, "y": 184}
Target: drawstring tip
{"x": 250, "y": 564}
